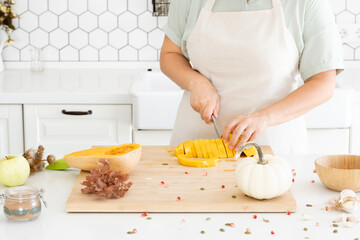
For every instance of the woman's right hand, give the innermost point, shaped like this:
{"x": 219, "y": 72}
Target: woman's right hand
{"x": 204, "y": 99}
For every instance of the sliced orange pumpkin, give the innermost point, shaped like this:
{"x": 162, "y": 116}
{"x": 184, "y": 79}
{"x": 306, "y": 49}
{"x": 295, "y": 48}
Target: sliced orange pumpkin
{"x": 221, "y": 148}
{"x": 198, "y": 149}
{"x": 197, "y": 162}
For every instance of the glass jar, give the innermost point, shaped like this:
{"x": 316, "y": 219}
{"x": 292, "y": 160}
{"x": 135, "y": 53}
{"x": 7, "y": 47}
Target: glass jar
{"x": 22, "y": 203}
{"x": 36, "y": 64}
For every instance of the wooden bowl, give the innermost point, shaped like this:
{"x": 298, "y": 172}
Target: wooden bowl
{"x": 339, "y": 172}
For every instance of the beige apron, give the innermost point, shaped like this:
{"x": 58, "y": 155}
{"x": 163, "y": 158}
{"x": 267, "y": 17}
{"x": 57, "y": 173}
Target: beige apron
{"x": 252, "y": 60}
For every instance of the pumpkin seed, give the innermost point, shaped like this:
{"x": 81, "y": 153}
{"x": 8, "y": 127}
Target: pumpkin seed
{"x": 222, "y": 230}
{"x": 207, "y": 219}
{"x": 356, "y": 239}
{"x": 305, "y": 229}
{"x": 335, "y": 231}
{"x": 202, "y": 189}
{"x": 335, "y": 225}
{"x": 130, "y": 232}
{"x": 247, "y": 232}
{"x": 309, "y": 205}
{"x": 227, "y": 224}
{"x": 165, "y": 164}
{"x": 202, "y": 232}
{"x": 149, "y": 218}
{"x": 233, "y": 196}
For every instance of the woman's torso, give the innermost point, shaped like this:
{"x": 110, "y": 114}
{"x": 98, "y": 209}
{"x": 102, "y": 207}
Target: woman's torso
{"x": 294, "y": 13}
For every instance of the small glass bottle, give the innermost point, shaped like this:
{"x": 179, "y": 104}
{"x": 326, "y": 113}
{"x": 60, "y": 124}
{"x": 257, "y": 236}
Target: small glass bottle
{"x": 36, "y": 64}
{"x": 22, "y": 203}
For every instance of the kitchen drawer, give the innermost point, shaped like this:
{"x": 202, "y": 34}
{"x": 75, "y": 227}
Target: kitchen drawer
{"x": 329, "y": 141}
{"x": 61, "y": 133}
{"x": 152, "y": 137}
{"x": 11, "y": 130}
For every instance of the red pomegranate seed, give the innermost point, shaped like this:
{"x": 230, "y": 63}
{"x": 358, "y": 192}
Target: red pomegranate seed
{"x": 162, "y": 182}
{"x": 248, "y": 230}
{"x": 223, "y": 186}
{"x": 294, "y": 174}
{"x": 314, "y": 171}
{"x": 327, "y": 209}
{"x": 272, "y": 232}
{"x": 178, "y": 198}
{"x": 205, "y": 174}
{"x": 145, "y": 214}
{"x": 254, "y": 217}
{"x": 293, "y": 180}
{"x": 166, "y": 186}
{"x": 232, "y": 225}
{"x": 312, "y": 181}
{"x": 293, "y": 170}
{"x": 186, "y": 172}
{"x": 288, "y": 213}
{"x": 182, "y": 220}
{"x": 134, "y": 230}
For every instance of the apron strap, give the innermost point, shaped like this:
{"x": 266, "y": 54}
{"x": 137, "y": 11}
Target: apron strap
{"x": 276, "y": 3}
{"x": 209, "y": 5}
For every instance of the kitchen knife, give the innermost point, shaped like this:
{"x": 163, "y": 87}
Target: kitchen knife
{"x": 217, "y": 131}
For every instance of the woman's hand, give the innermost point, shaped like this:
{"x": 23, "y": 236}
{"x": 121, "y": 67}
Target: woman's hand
{"x": 204, "y": 99}
{"x": 249, "y": 127}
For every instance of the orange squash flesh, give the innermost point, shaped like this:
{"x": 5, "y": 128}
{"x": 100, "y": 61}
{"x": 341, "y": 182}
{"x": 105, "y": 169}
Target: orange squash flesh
{"x": 122, "y": 158}
{"x": 205, "y": 152}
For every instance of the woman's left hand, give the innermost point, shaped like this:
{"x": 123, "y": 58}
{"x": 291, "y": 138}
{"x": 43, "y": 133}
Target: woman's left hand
{"x": 249, "y": 127}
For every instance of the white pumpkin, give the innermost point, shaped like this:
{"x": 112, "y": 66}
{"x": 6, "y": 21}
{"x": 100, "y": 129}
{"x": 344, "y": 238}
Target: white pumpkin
{"x": 262, "y": 176}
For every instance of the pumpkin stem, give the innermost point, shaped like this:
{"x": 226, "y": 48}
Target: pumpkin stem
{"x": 258, "y": 149}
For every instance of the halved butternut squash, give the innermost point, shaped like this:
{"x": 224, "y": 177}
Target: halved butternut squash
{"x": 122, "y": 158}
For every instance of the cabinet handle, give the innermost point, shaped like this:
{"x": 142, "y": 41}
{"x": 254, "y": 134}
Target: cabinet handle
{"x": 77, "y": 113}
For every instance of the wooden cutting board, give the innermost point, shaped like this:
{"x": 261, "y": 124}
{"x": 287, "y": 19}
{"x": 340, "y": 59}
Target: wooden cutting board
{"x": 147, "y": 194}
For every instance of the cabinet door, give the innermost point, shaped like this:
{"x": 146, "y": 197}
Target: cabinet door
{"x": 152, "y": 137}
{"x": 328, "y": 141}
{"x": 61, "y": 132}
{"x": 11, "y": 130}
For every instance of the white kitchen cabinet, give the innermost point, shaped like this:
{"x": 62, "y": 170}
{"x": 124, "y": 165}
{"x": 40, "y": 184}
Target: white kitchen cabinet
{"x": 329, "y": 141}
{"x": 152, "y": 137}
{"x": 61, "y": 131}
{"x": 11, "y": 130}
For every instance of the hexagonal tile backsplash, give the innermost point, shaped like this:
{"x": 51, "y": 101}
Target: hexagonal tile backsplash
{"x": 110, "y": 30}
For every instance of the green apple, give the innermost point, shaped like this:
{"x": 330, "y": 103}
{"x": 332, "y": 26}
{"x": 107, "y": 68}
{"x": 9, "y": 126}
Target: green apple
{"x": 14, "y": 170}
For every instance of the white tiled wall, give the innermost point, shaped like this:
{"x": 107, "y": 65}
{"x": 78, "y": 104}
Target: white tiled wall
{"x": 110, "y": 30}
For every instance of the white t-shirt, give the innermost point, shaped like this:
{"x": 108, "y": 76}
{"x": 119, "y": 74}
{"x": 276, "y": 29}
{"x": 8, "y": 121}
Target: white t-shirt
{"x": 311, "y": 23}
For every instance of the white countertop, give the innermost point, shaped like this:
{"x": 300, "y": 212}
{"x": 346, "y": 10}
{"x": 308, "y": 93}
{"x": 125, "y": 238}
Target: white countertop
{"x": 55, "y": 223}
{"x": 92, "y": 86}
{"x": 75, "y": 86}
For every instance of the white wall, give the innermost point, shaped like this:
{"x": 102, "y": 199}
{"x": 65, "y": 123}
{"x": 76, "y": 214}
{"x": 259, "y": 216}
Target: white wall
{"x": 110, "y": 30}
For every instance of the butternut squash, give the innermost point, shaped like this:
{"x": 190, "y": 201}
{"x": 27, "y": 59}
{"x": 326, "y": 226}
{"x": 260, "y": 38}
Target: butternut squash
{"x": 122, "y": 158}
{"x": 205, "y": 152}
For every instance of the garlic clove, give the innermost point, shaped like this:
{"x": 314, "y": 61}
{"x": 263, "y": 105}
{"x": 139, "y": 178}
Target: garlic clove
{"x": 307, "y": 217}
{"x": 348, "y": 224}
{"x": 349, "y": 201}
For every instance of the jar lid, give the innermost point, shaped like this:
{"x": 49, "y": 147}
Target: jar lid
{"x": 22, "y": 192}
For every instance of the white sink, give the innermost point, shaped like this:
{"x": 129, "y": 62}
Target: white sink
{"x": 336, "y": 113}
{"x": 155, "y": 101}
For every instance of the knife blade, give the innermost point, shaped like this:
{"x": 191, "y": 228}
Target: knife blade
{"x": 216, "y": 129}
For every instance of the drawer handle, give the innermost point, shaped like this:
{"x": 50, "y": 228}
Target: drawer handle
{"x": 77, "y": 113}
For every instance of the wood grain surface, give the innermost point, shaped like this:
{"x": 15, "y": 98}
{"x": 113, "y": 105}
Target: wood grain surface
{"x": 148, "y": 194}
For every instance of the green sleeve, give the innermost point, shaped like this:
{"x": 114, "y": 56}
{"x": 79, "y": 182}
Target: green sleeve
{"x": 322, "y": 43}
{"x": 177, "y": 20}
